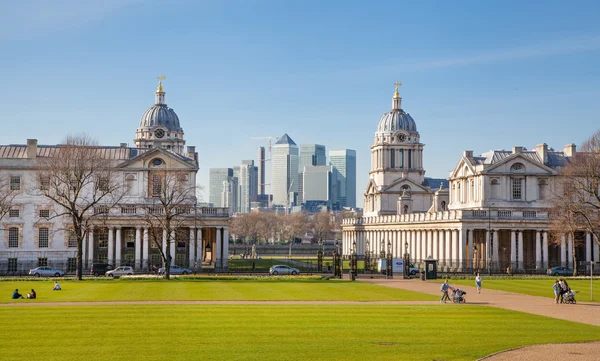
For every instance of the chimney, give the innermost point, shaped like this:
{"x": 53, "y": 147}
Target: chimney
{"x": 468, "y": 153}
{"x": 570, "y": 150}
{"x": 516, "y": 149}
{"x": 31, "y": 148}
{"x": 542, "y": 152}
{"x": 190, "y": 151}
{"x": 123, "y": 145}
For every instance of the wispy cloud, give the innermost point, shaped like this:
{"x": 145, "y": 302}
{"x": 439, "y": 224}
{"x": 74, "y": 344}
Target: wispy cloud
{"x": 557, "y": 47}
{"x": 27, "y": 18}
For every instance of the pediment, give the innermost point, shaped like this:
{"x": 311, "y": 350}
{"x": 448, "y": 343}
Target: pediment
{"x": 371, "y": 187}
{"x": 169, "y": 160}
{"x": 464, "y": 168}
{"x": 397, "y": 186}
{"x": 505, "y": 166}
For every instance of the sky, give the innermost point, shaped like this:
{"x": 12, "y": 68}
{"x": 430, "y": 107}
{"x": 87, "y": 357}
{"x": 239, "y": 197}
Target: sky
{"x": 477, "y": 75}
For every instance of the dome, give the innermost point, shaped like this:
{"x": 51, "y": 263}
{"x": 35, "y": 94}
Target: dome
{"x": 160, "y": 114}
{"x": 394, "y": 120}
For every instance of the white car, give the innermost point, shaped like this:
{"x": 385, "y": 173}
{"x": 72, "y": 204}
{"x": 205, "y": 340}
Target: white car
{"x": 46, "y": 272}
{"x": 120, "y": 271}
{"x": 283, "y": 270}
{"x": 175, "y": 270}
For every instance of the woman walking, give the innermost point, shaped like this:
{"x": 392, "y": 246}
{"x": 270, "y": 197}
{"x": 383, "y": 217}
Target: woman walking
{"x": 478, "y": 283}
{"x": 557, "y": 289}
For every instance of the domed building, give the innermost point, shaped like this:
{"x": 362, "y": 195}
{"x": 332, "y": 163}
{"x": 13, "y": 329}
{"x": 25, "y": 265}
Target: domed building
{"x": 159, "y": 126}
{"x": 397, "y": 182}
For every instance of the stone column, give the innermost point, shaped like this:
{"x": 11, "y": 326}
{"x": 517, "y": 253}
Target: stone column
{"x": 588, "y": 247}
{"x": 520, "y": 240}
{"x": 111, "y": 245}
{"x": 419, "y": 255}
{"x": 496, "y": 247}
{"x": 563, "y": 251}
{"x": 218, "y": 249}
{"x": 487, "y": 256}
{"x": 91, "y": 247}
{"x": 570, "y": 251}
{"x": 545, "y": 249}
{"x": 145, "y": 248}
{"x": 118, "y": 248}
{"x": 462, "y": 245}
{"x": 164, "y": 244}
{"x": 470, "y": 260}
{"x": 192, "y": 248}
{"x": 436, "y": 244}
{"x": 513, "y": 250}
{"x": 455, "y": 251}
{"x": 596, "y": 252}
{"x": 448, "y": 244}
{"x": 225, "y": 248}
{"x": 199, "y": 248}
{"x": 538, "y": 250}
{"x": 138, "y": 248}
{"x": 173, "y": 247}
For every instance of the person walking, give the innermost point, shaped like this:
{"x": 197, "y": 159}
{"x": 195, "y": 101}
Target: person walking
{"x": 478, "y": 282}
{"x": 563, "y": 288}
{"x": 556, "y": 288}
{"x": 444, "y": 288}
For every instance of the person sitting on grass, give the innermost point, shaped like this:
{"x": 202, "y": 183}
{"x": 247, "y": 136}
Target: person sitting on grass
{"x": 16, "y": 295}
{"x": 32, "y": 295}
{"x": 56, "y": 286}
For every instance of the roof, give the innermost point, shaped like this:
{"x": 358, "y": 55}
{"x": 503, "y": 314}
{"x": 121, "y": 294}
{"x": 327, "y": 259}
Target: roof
{"x": 434, "y": 183}
{"x": 285, "y": 139}
{"x": 555, "y": 159}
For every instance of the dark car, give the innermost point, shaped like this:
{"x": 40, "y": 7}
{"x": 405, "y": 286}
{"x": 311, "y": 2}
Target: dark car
{"x": 100, "y": 269}
{"x": 559, "y": 271}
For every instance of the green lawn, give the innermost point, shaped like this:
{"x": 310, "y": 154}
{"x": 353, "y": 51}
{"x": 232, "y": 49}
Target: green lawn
{"x": 132, "y": 290}
{"x": 274, "y": 332}
{"x": 537, "y": 287}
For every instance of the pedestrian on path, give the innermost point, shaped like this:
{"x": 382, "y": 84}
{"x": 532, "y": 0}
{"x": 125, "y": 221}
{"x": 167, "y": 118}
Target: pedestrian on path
{"x": 478, "y": 283}
{"x": 445, "y": 287}
{"x": 557, "y": 289}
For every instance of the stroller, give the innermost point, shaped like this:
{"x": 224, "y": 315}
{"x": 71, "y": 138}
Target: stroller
{"x": 569, "y": 297}
{"x": 458, "y": 296}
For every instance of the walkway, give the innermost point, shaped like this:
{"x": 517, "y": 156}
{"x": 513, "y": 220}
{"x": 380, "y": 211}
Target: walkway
{"x": 583, "y": 312}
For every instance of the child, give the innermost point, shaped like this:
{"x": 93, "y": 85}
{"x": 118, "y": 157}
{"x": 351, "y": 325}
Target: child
{"x": 478, "y": 283}
{"x": 557, "y": 291}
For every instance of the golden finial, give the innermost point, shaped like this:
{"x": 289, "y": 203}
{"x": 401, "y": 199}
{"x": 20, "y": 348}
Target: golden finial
{"x": 397, "y": 94}
{"x": 160, "y": 80}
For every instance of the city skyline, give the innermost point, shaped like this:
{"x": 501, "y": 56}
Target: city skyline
{"x": 471, "y": 83}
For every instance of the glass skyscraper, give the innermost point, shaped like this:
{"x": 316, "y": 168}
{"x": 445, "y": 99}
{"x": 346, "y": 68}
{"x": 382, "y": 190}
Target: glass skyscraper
{"x": 343, "y": 162}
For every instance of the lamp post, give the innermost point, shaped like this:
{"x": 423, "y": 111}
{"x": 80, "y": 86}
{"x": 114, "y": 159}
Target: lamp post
{"x": 389, "y": 272}
{"x": 320, "y": 257}
{"x": 367, "y": 256}
{"x": 337, "y": 262}
{"x": 406, "y": 262}
{"x": 353, "y": 262}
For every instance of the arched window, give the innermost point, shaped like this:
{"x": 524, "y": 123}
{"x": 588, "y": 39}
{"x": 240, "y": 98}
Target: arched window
{"x": 443, "y": 205}
{"x": 495, "y": 183}
{"x": 517, "y": 168}
{"x": 130, "y": 183}
{"x": 458, "y": 194}
{"x": 543, "y": 189}
{"x": 405, "y": 209}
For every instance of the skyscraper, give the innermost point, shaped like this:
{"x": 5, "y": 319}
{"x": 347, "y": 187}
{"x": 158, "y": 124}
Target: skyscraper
{"x": 310, "y": 155}
{"x": 248, "y": 180}
{"x": 284, "y": 167}
{"x": 261, "y": 170}
{"x": 317, "y": 183}
{"x": 215, "y": 184}
{"x": 344, "y": 175}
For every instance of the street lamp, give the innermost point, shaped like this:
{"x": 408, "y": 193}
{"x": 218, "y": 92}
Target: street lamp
{"x": 389, "y": 264}
{"x": 406, "y": 262}
{"x": 353, "y": 261}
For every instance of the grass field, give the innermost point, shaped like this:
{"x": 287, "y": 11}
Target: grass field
{"x": 133, "y": 290}
{"x": 537, "y": 287}
{"x": 242, "y": 332}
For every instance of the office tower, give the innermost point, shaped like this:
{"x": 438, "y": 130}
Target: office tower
{"x": 215, "y": 184}
{"x": 248, "y": 180}
{"x": 229, "y": 195}
{"x": 317, "y": 183}
{"x": 284, "y": 168}
{"x": 261, "y": 171}
{"x": 343, "y": 162}
{"x": 310, "y": 154}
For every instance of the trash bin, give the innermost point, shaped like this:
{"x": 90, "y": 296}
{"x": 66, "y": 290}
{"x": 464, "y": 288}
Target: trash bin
{"x": 430, "y": 269}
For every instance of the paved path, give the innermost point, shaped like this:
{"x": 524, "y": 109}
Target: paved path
{"x": 585, "y": 351}
{"x": 583, "y": 312}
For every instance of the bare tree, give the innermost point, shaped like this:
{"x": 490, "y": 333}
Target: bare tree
{"x": 322, "y": 225}
{"x": 169, "y": 207}
{"x": 8, "y": 193}
{"x": 80, "y": 179}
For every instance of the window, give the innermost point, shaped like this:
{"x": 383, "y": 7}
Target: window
{"x": 443, "y": 205}
{"x": 129, "y": 238}
{"x": 102, "y": 258}
{"x": 517, "y": 188}
{"x": 44, "y": 183}
{"x": 71, "y": 264}
{"x": 12, "y": 265}
{"x": 129, "y": 183}
{"x": 13, "y": 237}
{"x": 517, "y": 168}
{"x": 155, "y": 259}
{"x": 72, "y": 238}
{"x": 392, "y": 158}
{"x": 43, "y": 237}
{"x": 495, "y": 188}
{"x": 156, "y": 185}
{"x": 103, "y": 184}
{"x": 101, "y": 237}
{"x": 42, "y": 262}
{"x": 15, "y": 183}
{"x": 129, "y": 259}
{"x": 401, "y": 158}
{"x": 543, "y": 189}
{"x": 13, "y": 213}
{"x": 180, "y": 260}
{"x": 405, "y": 209}
{"x": 44, "y": 213}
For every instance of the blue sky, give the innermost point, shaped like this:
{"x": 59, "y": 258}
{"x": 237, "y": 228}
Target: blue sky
{"x": 477, "y": 75}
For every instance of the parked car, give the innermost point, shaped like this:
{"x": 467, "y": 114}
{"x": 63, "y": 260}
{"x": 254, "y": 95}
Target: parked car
{"x": 560, "y": 271}
{"x": 46, "y": 272}
{"x": 100, "y": 269}
{"x": 283, "y": 270}
{"x": 175, "y": 270}
{"x": 120, "y": 271}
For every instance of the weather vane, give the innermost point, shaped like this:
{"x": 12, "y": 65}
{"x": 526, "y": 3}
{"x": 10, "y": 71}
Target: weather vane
{"x": 161, "y": 77}
{"x": 397, "y": 84}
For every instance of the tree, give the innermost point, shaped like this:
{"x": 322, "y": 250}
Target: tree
{"x": 322, "y": 225}
{"x": 80, "y": 179}
{"x": 169, "y": 206}
{"x": 8, "y": 193}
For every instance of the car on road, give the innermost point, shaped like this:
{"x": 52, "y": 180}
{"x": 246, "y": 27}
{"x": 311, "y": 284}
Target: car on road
{"x": 120, "y": 271}
{"x": 559, "y": 271}
{"x": 100, "y": 269}
{"x": 46, "y": 272}
{"x": 175, "y": 270}
{"x": 283, "y": 270}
